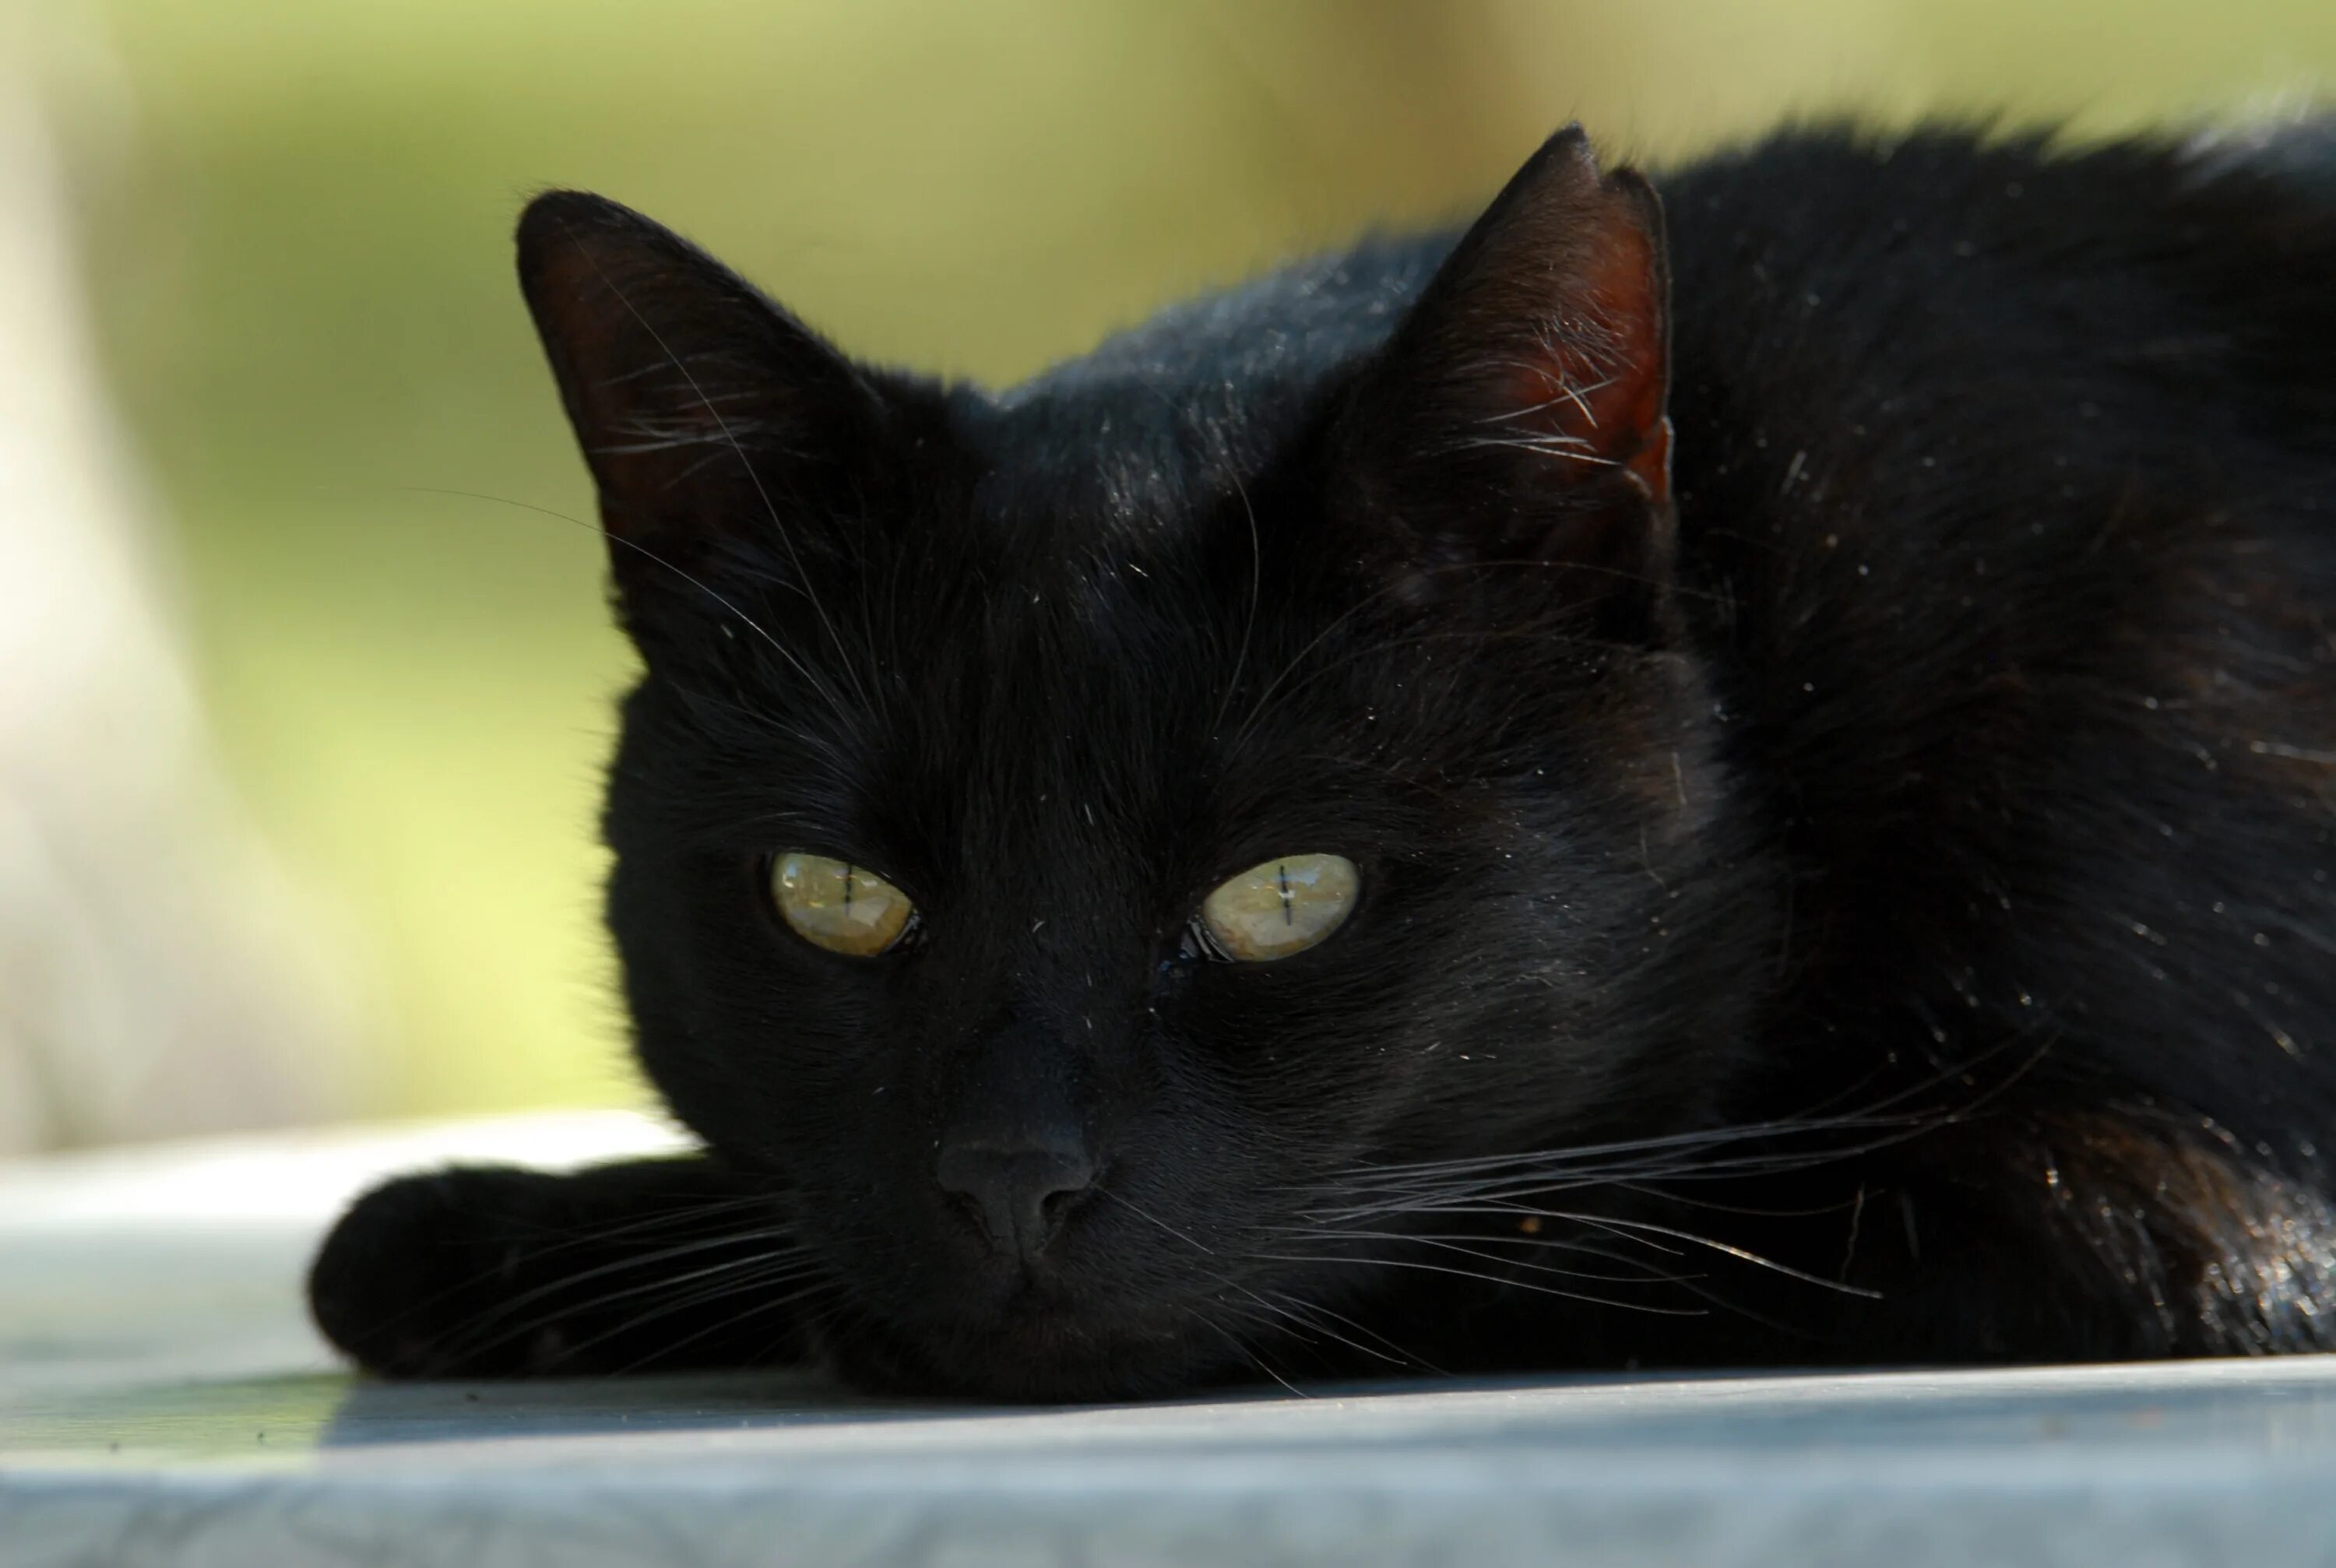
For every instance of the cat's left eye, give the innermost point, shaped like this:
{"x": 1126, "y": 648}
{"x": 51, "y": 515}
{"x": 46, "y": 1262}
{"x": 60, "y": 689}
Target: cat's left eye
{"x": 1279, "y": 907}
{"x": 836, "y": 905}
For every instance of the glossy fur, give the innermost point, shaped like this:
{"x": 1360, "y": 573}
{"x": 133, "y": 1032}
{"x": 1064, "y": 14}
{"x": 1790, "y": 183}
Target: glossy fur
{"x": 1842, "y": 771}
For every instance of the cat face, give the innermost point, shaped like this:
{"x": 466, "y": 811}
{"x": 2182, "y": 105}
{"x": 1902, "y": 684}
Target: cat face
{"x": 980, "y": 735}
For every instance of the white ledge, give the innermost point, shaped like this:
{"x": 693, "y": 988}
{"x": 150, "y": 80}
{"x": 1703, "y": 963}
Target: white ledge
{"x": 162, "y": 1401}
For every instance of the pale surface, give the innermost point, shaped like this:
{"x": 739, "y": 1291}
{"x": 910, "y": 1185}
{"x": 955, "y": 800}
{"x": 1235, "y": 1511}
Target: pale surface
{"x": 161, "y": 1400}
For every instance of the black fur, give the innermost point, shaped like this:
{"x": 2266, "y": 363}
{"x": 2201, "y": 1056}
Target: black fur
{"x": 1845, "y": 869}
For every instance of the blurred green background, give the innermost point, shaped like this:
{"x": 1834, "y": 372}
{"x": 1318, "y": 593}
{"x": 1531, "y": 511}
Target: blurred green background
{"x": 297, "y": 233}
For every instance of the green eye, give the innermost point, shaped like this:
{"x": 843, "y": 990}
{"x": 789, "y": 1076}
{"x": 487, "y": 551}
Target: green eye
{"x": 1279, "y": 907}
{"x": 839, "y": 906}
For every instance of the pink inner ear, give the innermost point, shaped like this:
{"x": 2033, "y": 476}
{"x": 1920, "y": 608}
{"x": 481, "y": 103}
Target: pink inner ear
{"x": 1589, "y": 385}
{"x": 651, "y": 407}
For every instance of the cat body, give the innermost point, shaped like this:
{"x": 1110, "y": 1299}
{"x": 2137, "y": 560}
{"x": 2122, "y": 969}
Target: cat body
{"x": 1824, "y": 683}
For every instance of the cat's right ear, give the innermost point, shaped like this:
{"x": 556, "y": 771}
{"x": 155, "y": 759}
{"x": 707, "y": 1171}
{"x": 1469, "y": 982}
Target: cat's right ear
{"x": 1518, "y": 415}
{"x": 713, "y": 421}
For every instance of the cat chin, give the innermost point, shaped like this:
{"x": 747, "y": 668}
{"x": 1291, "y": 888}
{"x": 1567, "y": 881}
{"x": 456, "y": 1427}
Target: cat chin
{"x": 1049, "y": 1360}
{"x": 1033, "y": 1349}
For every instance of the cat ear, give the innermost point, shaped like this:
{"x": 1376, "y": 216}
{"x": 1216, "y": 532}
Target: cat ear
{"x": 1519, "y": 411}
{"x": 708, "y": 414}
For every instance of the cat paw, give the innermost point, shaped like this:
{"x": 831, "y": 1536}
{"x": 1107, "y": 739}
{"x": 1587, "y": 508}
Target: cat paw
{"x": 424, "y": 1277}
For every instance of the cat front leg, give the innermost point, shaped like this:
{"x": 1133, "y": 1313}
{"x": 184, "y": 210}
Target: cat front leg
{"x": 492, "y": 1272}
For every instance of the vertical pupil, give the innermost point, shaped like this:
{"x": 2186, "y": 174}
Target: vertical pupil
{"x": 847, "y": 890}
{"x": 1289, "y": 916}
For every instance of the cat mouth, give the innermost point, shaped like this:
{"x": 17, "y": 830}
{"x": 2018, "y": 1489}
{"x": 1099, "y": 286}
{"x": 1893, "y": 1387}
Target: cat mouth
{"x": 1052, "y": 1360}
{"x": 1038, "y": 1345}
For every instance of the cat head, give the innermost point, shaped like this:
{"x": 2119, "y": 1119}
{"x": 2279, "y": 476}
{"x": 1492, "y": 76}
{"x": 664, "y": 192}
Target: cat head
{"x": 1064, "y": 835}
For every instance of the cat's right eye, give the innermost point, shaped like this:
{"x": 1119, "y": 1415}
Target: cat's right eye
{"x": 1279, "y": 907}
{"x": 836, "y": 905}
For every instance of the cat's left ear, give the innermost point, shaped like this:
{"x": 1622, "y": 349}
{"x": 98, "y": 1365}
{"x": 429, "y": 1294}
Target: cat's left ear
{"x": 713, "y": 422}
{"x": 1519, "y": 413}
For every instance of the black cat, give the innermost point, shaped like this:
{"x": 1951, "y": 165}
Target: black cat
{"x": 1748, "y": 779}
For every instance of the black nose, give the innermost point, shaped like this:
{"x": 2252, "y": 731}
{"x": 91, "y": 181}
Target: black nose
{"x": 1022, "y": 1189}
